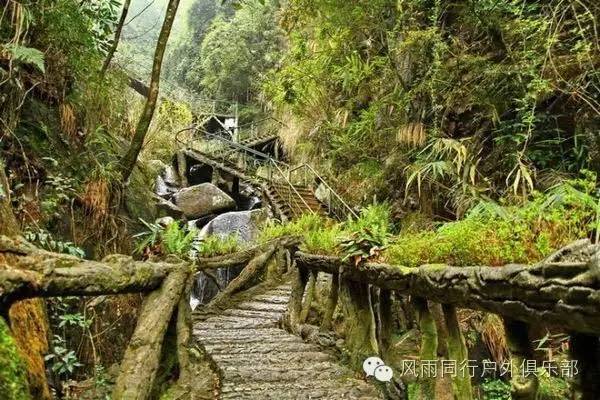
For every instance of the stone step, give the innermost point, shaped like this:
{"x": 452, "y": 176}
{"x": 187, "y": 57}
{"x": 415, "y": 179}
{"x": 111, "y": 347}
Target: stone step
{"x": 260, "y": 306}
{"x": 236, "y": 312}
{"x": 260, "y": 348}
{"x": 248, "y": 340}
{"x": 227, "y": 334}
{"x": 274, "y": 299}
{"x": 287, "y": 358}
{"x": 293, "y": 373}
{"x": 329, "y": 390}
{"x": 236, "y": 323}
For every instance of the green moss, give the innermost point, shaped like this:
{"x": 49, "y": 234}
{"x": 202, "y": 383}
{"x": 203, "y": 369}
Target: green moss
{"x": 13, "y": 380}
{"x": 552, "y": 388}
{"x": 514, "y": 234}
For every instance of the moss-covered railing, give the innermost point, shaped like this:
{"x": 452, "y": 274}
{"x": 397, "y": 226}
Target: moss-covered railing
{"x": 563, "y": 290}
{"x": 28, "y": 272}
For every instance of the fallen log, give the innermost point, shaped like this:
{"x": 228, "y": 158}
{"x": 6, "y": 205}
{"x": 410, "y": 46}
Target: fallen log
{"x": 565, "y": 292}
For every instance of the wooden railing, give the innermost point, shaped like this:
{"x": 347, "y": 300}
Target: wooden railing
{"x": 562, "y": 291}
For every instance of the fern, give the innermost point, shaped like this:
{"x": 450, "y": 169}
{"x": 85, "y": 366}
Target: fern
{"x": 26, "y": 55}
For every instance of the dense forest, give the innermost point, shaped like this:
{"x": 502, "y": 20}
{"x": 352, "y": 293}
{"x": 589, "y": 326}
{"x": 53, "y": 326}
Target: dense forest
{"x": 298, "y": 199}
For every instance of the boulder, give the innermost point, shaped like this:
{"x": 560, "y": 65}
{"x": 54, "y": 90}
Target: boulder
{"x": 323, "y": 194}
{"x": 204, "y": 199}
{"x": 171, "y": 176}
{"x": 162, "y": 189}
{"x": 244, "y": 224}
{"x": 167, "y": 208}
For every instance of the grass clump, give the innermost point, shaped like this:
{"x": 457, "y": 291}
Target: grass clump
{"x": 215, "y": 245}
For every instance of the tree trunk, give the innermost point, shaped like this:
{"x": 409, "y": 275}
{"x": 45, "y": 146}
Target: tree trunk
{"x": 142, "y": 357}
{"x": 27, "y": 319}
{"x": 128, "y": 161}
{"x": 113, "y": 47}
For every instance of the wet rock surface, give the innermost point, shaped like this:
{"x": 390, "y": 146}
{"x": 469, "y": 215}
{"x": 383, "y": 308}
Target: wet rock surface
{"x": 204, "y": 199}
{"x": 259, "y": 360}
{"x": 243, "y": 224}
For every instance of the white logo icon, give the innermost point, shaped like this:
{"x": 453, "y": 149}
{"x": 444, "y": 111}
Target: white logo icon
{"x": 374, "y": 366}
{"x": 370, "y": 364}
{"x": 383, "y": 373}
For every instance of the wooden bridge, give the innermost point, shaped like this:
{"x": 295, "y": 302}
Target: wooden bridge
{"x": 250, "y": 332}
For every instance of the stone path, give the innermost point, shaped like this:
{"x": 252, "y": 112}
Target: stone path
{"x": 256, "y": 359}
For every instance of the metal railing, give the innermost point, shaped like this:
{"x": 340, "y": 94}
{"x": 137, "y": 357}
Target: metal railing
{"x": 287, "y": 181}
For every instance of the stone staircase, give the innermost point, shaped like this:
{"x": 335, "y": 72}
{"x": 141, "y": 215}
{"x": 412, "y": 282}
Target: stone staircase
{"x": 289, "y": 200}
{"x": 256, "y": 359}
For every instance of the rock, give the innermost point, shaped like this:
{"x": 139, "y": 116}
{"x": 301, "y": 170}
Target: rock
{"x": 204, "y": 199}
{"x": 170, "y": 175}
{"x": 164, "y": 221}
{"x": 168, "y": 208}
{"x": 201, "y": 222}
{"x": 162, "y": 189}
{"x": 323, "y": 194}
{"x": 244, "y": 224}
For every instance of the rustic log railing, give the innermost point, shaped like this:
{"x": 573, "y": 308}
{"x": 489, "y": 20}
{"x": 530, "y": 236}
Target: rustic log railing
{"x": 27, "y": 272}
{"x": 562, "y": 290}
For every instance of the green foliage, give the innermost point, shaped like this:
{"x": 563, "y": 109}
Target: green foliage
{"x": 176, "y": 240}
{"x": 62, "y": 360}
{"x": 552, "y": 388}
{"x": 236, "y": 52}
{"x": 26, "y": 55}
{"x": 495, "y": 235}
{"x": 457, "y": 101}
{"x": 495, "y": 390}
{"x": 368, "y": 234}
{"x": 45, "y": 240}
{"x": 13, "y": 377}
{"x": 214, "y": 245}
{"x": 171, "y": 239}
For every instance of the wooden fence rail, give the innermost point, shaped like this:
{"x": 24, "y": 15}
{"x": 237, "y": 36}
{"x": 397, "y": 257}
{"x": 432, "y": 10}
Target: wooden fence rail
{"x": 563, "y": 290}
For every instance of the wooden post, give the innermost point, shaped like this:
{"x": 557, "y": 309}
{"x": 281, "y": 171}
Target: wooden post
{"x": 299, "y": 280}
{"x": 142, "y": 357}
{"x": 457, "y": 351}
{"x": 355, "y": 302}
{"x": 332, "y": 301}
{"x": 308, "y": 298}
{"x": 523, "y": 386}
{"x": 585, "y": 353}
{"x": 182, "y": 169}
{"x": 385, "y": 320}
{"x": 429, "y": 343}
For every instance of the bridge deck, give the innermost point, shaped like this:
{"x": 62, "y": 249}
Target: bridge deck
{"x": 259, "y": 360}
